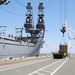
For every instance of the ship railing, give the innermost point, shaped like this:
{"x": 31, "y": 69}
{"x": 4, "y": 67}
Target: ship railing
{"x": 7, "y": 38}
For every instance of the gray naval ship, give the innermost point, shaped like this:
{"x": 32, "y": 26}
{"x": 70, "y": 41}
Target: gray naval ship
{"x": 21, "y": 45}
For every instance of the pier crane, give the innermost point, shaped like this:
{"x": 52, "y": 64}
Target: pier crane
{"x": 71, "y": 36}
{"x": 70, "y": 30}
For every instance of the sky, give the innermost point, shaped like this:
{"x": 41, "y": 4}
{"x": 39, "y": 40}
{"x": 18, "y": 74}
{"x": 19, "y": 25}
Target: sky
{"x": 56, "y": 11}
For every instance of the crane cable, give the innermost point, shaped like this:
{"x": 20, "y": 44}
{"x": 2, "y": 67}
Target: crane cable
{"x": 20, "y": 3}
{"x": 11, "y": 12}
{"x": 64, "y": 15}
{"x": 60, "y": 11}
{"x": 63, "y": 39}
{"x": 46, "y": 6}
{"x": 65, "y": 10}
{"x": 49, "y": 4}
{"x": 49, "y": 47}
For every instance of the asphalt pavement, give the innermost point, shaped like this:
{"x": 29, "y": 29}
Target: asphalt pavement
{"x": 47, "y": 66}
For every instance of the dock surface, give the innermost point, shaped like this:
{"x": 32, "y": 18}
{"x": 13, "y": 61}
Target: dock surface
{"x": 45, "y": 66}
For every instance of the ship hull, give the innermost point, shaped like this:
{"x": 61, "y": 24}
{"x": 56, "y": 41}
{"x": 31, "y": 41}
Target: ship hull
{"x": 19, "y": 49}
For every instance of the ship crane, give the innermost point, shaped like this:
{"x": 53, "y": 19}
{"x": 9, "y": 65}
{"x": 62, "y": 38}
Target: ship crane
{"x": 71, "y": 37}
{"x": 40, "y": 24}
{"x": 4, "y": 2}
{"x": 35, "y": 32}
{"x": 29, "y": 15}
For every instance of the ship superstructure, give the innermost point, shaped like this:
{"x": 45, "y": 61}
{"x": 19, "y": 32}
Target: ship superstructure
{"x": 24, "y": 45}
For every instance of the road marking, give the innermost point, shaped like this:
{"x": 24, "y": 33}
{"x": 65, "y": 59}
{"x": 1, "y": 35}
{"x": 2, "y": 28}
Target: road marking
{"x": 48, "y": 68}
{"x": 23, "y": 64}
{"x": 46, "y": 71}
{"x": 51, "y": 68}
{"x": 60, "y": 66}
{"x": 40, "y": 73}
{"x": 44, "y": 67}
